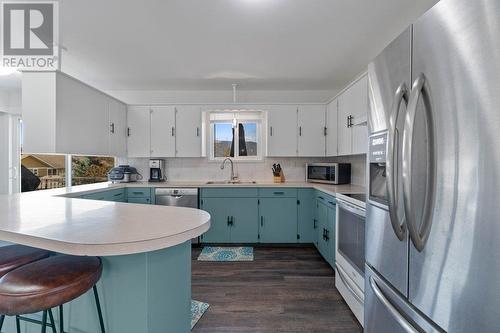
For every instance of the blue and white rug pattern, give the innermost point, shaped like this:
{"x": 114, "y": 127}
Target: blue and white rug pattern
{"x": 197, "y": 310}
{"x": 214, "y": 253}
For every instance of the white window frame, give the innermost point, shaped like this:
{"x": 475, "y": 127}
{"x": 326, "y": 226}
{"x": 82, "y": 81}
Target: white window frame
{"x": 237, "y": 118}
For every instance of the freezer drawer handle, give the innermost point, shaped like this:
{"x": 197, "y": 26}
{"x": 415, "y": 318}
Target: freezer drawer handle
{"x": 348, "y": 285}
{"x": 398, "y": 224}
{"x": 394, "y": 312}
{"x": 418, "y": 237}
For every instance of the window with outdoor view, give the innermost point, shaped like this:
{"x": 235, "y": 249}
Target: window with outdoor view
{"x": 236, "y": 134}
{"x": 90, "y": 169}
{"x": 42, "y": 172}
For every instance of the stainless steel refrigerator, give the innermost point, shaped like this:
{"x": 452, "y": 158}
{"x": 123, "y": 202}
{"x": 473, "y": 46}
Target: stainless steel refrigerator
{"x": 433, "y": 213}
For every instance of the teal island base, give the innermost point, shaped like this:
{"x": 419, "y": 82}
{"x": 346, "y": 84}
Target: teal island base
{"x": 140, "y": 293}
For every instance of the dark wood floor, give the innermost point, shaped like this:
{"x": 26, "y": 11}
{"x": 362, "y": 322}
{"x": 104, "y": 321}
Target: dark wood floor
{"x": 283, "y": 290}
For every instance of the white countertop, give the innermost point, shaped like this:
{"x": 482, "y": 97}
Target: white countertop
{"x": 55, "y": 220}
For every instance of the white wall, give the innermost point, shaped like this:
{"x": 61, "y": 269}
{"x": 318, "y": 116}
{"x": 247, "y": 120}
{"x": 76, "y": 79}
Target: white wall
{"x": 10, "y": 101}
{"x": 201, "y": 169}
{"x": 222, "y": 96}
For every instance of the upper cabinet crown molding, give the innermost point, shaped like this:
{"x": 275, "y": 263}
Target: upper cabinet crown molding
{"x": 63, "y": 115}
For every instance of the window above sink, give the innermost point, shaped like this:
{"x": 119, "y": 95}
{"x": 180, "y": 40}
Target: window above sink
{"x": 236, "y": 134}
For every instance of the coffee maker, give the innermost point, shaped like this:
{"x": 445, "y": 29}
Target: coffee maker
{"x": 157, "y": 170}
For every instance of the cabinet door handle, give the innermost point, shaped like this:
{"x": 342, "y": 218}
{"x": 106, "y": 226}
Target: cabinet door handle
{"x": 197, "y": 131}
{"x": 314, "y": 223}
{"x": 300, "y": 130}
{"x": 128, "y": 131}
{"x": 324, "y": 234}
{"x": 325, "y": 131}
{"x": 228, "y": 221}
{"x": 262, "y": 221}
{"x": 232, "y": 221}
{"x": 173, "y": 131}
{"x": 327, "y": 235}
{"x": 270, "y": 130}
{"x": 112, "y": 125}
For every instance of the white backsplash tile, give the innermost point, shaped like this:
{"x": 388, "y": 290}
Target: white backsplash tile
{"x": 202, "y": 169}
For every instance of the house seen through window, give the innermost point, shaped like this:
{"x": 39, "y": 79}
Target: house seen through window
{"x": 236, "y": 134}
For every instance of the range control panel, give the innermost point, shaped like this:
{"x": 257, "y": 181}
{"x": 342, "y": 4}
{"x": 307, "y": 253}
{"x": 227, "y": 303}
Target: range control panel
{"x": 378, "y": 148}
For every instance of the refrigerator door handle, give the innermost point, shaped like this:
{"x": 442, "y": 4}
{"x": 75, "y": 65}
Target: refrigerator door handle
{"x": 398, "y": 225}
{"x": 392, "y": 309}
{"x": 418, "y": 237}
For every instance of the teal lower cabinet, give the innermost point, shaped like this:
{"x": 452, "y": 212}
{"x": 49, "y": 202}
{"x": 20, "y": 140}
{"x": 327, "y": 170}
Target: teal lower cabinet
{"x": 234, "y": 220}
{"x": 278, "y": 220}
{"x": 325, "y": 216}
{"x": 305, "y": 215}
{"x": 140, "y": 195}
{"x": 144, "y": 201}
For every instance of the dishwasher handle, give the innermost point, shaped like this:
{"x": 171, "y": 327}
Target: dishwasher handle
{"x": 175, "y": 192}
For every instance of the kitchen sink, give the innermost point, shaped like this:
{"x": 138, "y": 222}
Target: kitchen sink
{"x": 224, "y": 182}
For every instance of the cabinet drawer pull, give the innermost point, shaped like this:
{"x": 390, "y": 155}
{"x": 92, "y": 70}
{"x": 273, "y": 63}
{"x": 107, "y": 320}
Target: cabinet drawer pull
{"x": 118, "y": 195}
{"x": 279, "y": 193}
{"x": 331, "y": 203}
{"x": 321, "y": 198}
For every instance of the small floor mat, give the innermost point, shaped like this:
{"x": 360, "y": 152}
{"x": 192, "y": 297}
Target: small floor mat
{"x": 211, "y": 253}
{"x": 197, "y": 310}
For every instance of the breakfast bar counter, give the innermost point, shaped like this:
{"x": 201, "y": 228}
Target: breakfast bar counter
{"x": 145, "y": 249}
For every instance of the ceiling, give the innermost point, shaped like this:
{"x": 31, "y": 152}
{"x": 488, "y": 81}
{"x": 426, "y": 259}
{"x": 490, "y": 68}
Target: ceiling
{"x": 208, "y": 45}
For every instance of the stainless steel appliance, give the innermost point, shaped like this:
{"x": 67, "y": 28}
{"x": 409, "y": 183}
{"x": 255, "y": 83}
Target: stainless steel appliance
{"x": 178, "y": 197}
{"x": 157, "y": 170}
{"x": 328, "y": 173}
{"x": 350, "y": 251}
{"x": 124, "y": 174}
{"x": 432, "y": 228}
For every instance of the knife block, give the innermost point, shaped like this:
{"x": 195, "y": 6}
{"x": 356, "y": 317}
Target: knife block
{"x": 280, "y": 178}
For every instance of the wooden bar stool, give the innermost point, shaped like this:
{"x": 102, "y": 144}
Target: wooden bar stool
{"x": 14, "y": 256}
{"x": 49, "y": 283}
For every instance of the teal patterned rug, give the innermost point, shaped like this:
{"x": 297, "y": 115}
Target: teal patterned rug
{"x": 211, "y": 253}
{"x": 197, "y": 310}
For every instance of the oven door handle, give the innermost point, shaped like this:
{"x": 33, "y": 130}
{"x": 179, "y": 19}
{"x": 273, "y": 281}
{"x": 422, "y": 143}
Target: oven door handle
{"x": 347, "y": 284}
{"x": 351, "y": 209}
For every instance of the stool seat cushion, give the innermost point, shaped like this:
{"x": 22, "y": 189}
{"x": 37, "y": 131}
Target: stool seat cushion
{"x": 47, "y": 283}
{"x": 14, "y": 256}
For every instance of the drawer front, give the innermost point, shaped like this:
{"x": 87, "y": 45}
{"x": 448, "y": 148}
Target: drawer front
{"x": 278, "y": 192}
{"x": 115, "y": 195}
{"x": 95, "y": 196}
{"x": 138, "y": 192}
{"x": 326, "y": 198}
{"x": 143, "y": 200}
{"x": 224, "y": 192}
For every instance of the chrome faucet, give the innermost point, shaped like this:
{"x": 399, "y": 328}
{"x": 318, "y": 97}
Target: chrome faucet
{"x": 233, "y": 178}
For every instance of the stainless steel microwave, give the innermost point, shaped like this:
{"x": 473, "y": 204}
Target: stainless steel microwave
{"x": 328, "y": 173}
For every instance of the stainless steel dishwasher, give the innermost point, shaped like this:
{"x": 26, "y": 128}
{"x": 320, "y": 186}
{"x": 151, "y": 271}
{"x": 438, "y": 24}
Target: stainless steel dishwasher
{"x": 178, "y": 197}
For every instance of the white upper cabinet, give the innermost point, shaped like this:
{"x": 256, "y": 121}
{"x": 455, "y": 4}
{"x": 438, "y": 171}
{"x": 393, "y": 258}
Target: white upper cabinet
{"x": 139, "y": 131}
{"x": 359, "y": 117}
{"x": 117, "y": 128}
{"x": 282, "y": 130}
{"x": 64, "y": 116}
{"x": 311, "y": 130}
{"x": 331, "y": 128}
{"x": 188, "y": 131}
{"x": 163, "y": 131}
{"x": 352, "y": 117}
